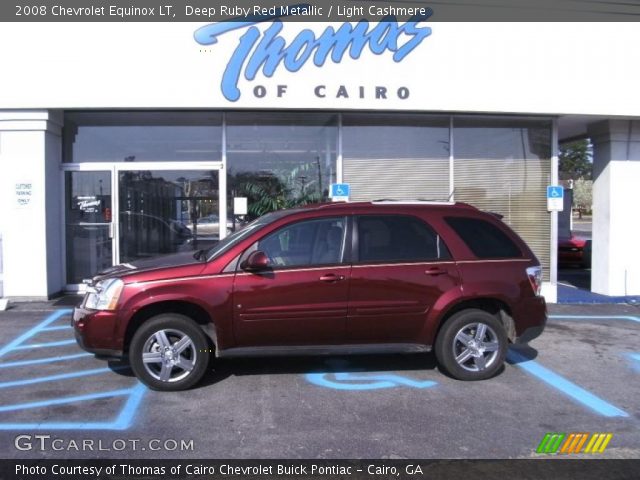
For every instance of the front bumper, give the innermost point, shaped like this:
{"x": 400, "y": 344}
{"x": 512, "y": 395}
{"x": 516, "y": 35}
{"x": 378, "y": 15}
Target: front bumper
{"x": 94, "y": 329}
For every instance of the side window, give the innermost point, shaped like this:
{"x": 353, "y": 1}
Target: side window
{"x": 385, "y": 238}
{"x": 484, "y": 239}
{"x": 305, "y": 243}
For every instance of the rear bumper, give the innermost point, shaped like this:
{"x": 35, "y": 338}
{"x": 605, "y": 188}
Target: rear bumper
{"x": 93, "y": 331}
{"x": 531, "y": 319}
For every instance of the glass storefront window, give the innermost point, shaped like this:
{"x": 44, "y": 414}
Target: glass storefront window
{"x": 162, "y": 212}
{"x": 280, "y": 160}
{"x": 143, "y": 137}
{"x": 503, "y": 166}
{"x": 399, "y": 157}
{"x": 283, "y": 159}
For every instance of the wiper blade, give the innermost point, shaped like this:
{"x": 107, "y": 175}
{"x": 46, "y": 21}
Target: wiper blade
{"x": 198, "y": 254}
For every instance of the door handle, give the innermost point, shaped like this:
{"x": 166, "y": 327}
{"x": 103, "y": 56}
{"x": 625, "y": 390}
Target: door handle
{"x": 435, "y": 271}
{"x": 331, "y": 277}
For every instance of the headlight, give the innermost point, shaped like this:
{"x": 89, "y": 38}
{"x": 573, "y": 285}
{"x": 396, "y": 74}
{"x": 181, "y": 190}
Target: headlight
{"x": 105, "y": 295}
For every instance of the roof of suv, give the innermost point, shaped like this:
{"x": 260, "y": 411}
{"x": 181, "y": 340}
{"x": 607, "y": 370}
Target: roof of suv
{"x": 376, "y": 204}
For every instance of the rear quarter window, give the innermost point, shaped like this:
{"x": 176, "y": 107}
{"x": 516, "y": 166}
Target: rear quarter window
{"x": 483, "y": 238}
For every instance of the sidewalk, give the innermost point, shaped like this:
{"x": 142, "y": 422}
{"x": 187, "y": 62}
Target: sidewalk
{"x": 575, "y": 296}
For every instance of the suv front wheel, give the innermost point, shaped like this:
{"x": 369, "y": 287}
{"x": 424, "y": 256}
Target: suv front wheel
{"x": 471, "y": 345}
{"x": 169, "y": 352}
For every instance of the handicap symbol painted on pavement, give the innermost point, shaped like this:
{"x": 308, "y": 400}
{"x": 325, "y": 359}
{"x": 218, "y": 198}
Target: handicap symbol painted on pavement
{"x": 345, "y": 381}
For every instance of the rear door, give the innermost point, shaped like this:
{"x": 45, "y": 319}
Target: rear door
{"x": 302, "y": 298}
{"x": 400, "y": 268}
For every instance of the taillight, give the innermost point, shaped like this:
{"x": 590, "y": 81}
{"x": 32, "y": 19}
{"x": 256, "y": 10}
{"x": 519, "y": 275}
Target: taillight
{"x": 535, "y": 279}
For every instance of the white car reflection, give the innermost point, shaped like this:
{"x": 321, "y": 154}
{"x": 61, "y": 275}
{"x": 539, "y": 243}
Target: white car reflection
{"x": 209, "y": 226}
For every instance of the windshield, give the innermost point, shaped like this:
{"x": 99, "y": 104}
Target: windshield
{"x": 228, "y": 242}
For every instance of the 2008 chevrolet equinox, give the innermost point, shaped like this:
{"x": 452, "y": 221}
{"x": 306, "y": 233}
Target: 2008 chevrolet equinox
{"x": 331, "y": 278}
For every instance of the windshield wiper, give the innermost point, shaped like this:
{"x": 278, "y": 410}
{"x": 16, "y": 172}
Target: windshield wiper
{"x": 199, "y": 253}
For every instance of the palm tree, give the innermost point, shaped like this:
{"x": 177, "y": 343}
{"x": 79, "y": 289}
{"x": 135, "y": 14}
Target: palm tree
{"x": 270, "y": 191}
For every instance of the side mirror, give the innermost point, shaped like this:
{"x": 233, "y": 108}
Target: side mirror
{"x": 255, "y": 262}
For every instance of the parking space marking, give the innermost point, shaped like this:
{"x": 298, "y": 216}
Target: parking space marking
{"x": 60, "y": 376}
{"x": 565, "y": 386}
{"x": 33, "y": 331}
{"x": 22, "y": 363}
{"x": 46, "y": 344}
{"x": 122, "y": 422}
{"x": 63, "y": 400}
{"x": 631, "y": 318}
{"x": 57, "y": 327}
{"x": 123, "y": 419}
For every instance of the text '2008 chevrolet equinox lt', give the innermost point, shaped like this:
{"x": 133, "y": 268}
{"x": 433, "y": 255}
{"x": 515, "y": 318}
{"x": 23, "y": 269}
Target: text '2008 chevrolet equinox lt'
{"x": 324, "y": 279}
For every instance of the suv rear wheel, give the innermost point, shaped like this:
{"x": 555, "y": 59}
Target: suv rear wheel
{"x": 471, "y": 345}
{"x": 169, "y": 352}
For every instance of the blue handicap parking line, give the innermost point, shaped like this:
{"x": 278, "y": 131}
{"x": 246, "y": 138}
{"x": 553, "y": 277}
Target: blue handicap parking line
{"x": 123, "y": 419}
{"x": 57, "y": 327}
{"x": 36, "y": 361}
{"x": 60, "y": 376}
{"x": 60, "y": 343}
{"x": 33, "y": 331}
{"x": 63, "y": 400}
{"x": 565, "y": 386}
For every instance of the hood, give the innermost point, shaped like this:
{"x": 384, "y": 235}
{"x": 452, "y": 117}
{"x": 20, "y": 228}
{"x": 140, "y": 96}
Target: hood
{"x": 147, "y": 264}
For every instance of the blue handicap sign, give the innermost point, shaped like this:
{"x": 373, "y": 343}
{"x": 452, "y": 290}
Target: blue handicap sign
{"x": 359, "y": 381}
{"x": 340, "y": 190}
{"x": 555, "y": 191}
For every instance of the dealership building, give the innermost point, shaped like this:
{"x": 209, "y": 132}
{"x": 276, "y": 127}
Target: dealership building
{"x": 124, "y": 141}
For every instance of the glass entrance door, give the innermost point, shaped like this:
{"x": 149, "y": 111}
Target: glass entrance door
{"x": 88, "y": 223}
{"x": 122, "y": 214}
{"x": 166, "y": 211}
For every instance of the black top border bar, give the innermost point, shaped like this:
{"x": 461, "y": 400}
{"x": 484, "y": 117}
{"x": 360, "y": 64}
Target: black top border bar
{"x": 319, "y": 10}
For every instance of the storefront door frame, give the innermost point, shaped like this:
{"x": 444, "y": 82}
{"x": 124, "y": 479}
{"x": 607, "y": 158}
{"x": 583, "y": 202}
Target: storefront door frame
{"x": 115, "y": 168}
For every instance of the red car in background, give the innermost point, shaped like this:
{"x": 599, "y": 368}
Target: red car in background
{"x": 574, "y": 251}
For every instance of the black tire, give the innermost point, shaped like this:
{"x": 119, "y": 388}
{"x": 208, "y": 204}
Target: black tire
{"x": 448, "y": 348}
{"x": 161, "y": 338}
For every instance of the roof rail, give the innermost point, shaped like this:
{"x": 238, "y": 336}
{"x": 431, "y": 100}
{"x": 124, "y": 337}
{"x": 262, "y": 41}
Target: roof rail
{"x": 418, "y": 201}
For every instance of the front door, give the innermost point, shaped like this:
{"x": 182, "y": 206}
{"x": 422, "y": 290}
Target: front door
{"x": 302, "y": 298}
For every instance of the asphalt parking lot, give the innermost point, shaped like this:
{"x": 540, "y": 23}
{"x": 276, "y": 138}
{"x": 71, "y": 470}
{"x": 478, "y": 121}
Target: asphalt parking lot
{"x": 581, "y": 376}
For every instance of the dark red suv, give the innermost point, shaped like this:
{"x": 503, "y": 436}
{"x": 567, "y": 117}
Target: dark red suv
{"x": 324, "y": 279}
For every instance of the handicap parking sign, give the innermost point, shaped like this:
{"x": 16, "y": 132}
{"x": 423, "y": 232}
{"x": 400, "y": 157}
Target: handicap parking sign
{"x": 340, "y": 191}
{"x": 555, "y": 198}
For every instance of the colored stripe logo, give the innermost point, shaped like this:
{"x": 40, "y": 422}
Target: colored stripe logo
{"x": 572, "y": 443}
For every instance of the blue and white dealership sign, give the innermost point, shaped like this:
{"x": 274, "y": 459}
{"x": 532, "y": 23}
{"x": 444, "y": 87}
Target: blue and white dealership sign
{"x": 264, "y": 48}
